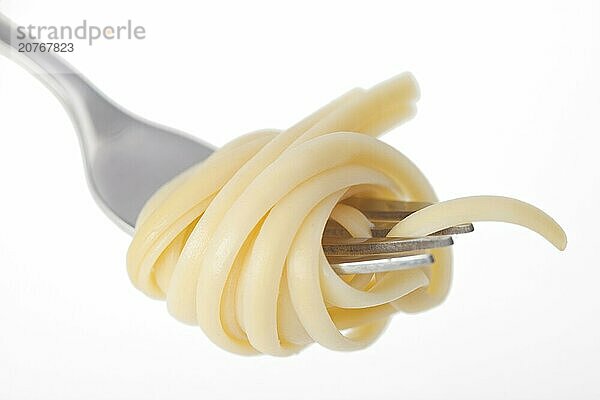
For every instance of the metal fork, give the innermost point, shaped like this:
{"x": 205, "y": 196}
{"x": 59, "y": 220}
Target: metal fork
{"x": 127, "y": 158}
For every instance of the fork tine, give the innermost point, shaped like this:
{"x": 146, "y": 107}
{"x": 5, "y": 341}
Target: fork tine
{"x": 385, "y": 210}
{"x": 382, "y": 247}
{"x": 385, "y": 265}
{"x": 381, "y": 229}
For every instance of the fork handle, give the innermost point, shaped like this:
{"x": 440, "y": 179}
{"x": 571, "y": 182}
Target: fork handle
{"x": 85, "y": 104}
{"x": 53, "y": 71}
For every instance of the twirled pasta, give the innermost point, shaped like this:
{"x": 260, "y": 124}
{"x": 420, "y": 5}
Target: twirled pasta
{"x": 234, "y": 243}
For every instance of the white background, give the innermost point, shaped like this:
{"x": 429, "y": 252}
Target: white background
{"x": 510, "y": 105}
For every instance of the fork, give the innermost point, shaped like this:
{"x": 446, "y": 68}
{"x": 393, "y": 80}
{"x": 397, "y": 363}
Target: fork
{"x": 128, "y": 158}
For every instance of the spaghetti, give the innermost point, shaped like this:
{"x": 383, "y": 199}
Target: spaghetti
{"x": 234, "y": 244}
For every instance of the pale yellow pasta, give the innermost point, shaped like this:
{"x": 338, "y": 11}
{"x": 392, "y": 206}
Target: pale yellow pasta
{"x": 234, "y": 243}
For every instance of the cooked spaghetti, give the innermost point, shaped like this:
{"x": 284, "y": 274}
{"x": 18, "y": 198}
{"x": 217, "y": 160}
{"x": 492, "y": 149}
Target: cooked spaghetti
{"x": 234, "y": 244}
